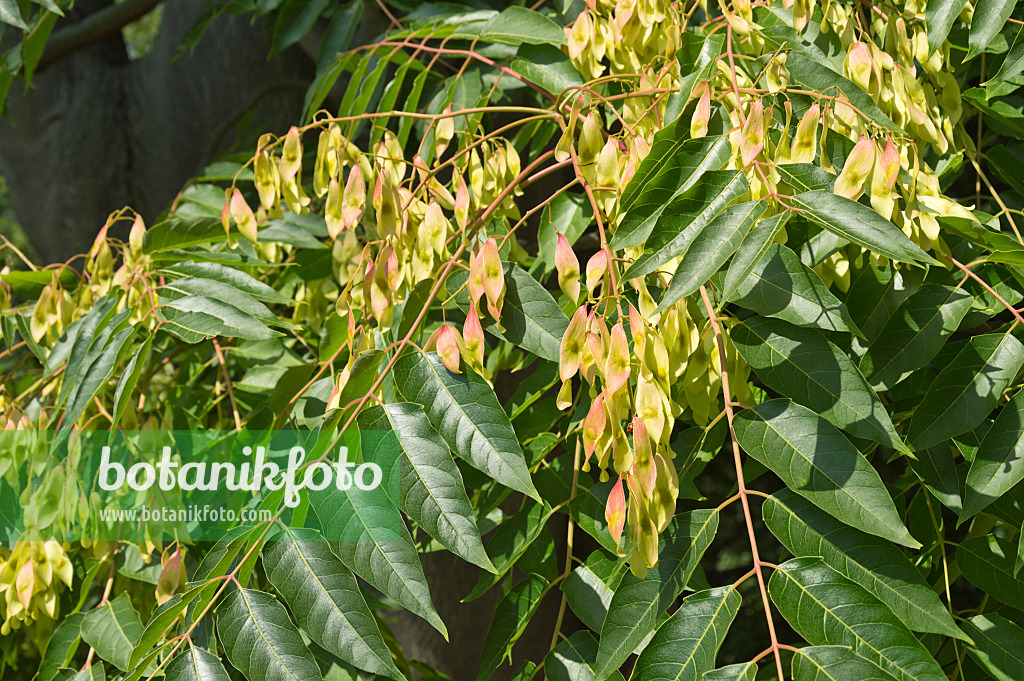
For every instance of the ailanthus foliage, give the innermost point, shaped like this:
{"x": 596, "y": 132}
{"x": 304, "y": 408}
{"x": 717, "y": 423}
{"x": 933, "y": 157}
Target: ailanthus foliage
{"x": 731, "y": 288}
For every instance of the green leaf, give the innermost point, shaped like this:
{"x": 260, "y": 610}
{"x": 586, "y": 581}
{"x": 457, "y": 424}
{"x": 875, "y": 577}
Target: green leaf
{"x": 915, "y": 334}
{"x": 126, "y": 385}
{"x": 805, "y": 177}
{"x": 511, "y": 615}
{"x": 1011, "y": 67}
{"x": 673, "y": 166}
{"x": 10, "y": 14}
{"x": 569, "y": 215}
{"x": 96, "y": 370}
{"x": 834, "y": 663}
{"x": 573, "y": 659}
{"x": 230, "y": 276}
{"x": 164, "y": 617}
{"x": 260, "y": 640}
{"x": 381, "y": 552}
{"x": 363, "y": 375}
{"x": 989, "y": 18}
{"x": 62, "y": 646}
{"x": 817, "y": 462}
{"x": 875, "y": 564}
{"x": 711, "y": 248}
{"x": 997, "y": 109}
{"x": 518, "y": 25}
{"x": 812, "y": 74}
{"x": 754, "y": 247}
{"x": 999, "y": 462}
{"x": 183, "y": 232}
{"x": 326, "y": 601}
{"x": 998, "y": 646}
{"x": 195, "y": 317}
{"x": 825, "y": 608}
{"x": 432, "y": 491}
{"x": 987, "y": 562}
{"x": 686, "y": 217}
{"x": 939, "y": 16}
{"x": 589, "y": 588}
{"x": 743, "y": 671}
{"x": 548, "y": 67}
{"x": 510, "y": 541}
{"x": 806, "y": 367}
{"x": 937, "y": 469}
{"x": 857, "y": 223}
{"x": 77, "y": 342}
{"x": 781, "y": 286}
{"x": 113, "y": 629}
{"x": 531, "y": 317}
{"x": 294, "y": 22}
{"x": 465, "y": 411}
{"x": 639, "y": 601}
{"x": 696, "y": 56}
{"x": 686, "y": 645}
{"x": 196, "y": 664}
{"x": 966, "y": 390}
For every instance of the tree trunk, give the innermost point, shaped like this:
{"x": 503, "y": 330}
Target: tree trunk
{"x": 97, "y": 132}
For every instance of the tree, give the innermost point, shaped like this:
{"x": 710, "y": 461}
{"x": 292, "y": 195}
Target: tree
{"x": 729, "y": 294}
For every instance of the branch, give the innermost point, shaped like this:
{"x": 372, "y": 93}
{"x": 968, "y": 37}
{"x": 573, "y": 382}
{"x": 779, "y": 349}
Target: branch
{"x": 93, "y": 28}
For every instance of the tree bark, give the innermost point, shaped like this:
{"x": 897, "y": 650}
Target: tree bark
{"x": 96, "y": 131}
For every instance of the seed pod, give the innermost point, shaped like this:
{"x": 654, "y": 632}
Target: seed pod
{"x": 295, "y": 196}
{"x": 615, "y": 513}
{"x": 607, "y": 175}
{"x": 666, "y": 492}
{"x": 637, "y": 329}
{"x": 568, "y": 267}
{"x": 564, "y": 399}
{"x": 596, "y": 268}
{"x": 391, "y": 267}
{"x": 883, "y": 177}
{"x": 649, "y": 408}
{"x": 462, "y": 203}
{"x": 354, "y": 201}
{"x": 859, "y": 66}
{"x": 702, "y": 114}
{"x": 172, "y": 578}
{"x": 643, "y": 457}
{"x": 622, "y": 454}
{"x": 579, "y": 35}
{"x": 570, "y": 352}
{"x": 616, "y": 370}
{"x": 436, "y": 227}
{"x": 806, "y": 141}
{"x": 493, "y": 278}
{"x": 448, "y": 347}
{"x": 591, "y": 141}
{"x": 385, "y": 202}
{"x": 859, "y": 163}
{"x": 326, "y": 167}
{"x": 475, "y": 283}
{"x": 242, "y": 215}
{"x": 136, "y": 236}
{"x": 598, "y": 339}
{"x": 334, "y": 210}
{"x": 563, "y": 150}
{"x": 473, "y": 337}
{"x": 444, "y": 132}
{"x": 291, "y": 155}
{"x": 268, "y": 180}
{"x": 593, "y": 426}
{"x": 753, "y": 133}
